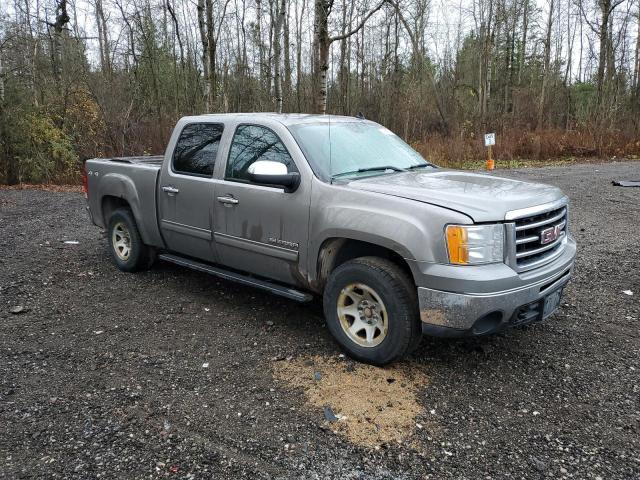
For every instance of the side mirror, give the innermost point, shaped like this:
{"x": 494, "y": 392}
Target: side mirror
{"x": 267, "y": 172}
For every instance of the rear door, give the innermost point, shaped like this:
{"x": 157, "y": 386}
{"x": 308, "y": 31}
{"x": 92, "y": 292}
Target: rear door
{"x": 258, "y": 228}
{"x": 186, "y": 191}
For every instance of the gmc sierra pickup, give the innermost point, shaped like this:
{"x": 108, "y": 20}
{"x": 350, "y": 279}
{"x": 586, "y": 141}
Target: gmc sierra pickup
{"x": 340, "y": 207}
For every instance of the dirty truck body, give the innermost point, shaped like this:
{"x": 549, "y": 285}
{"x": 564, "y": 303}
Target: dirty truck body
{"x": 397, "y": 248}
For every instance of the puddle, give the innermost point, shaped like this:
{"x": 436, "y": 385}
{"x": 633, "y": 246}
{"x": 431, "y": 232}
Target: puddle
{"x": 373, "y": 405}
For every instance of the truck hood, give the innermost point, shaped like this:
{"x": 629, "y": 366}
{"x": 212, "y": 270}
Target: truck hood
{"x": 484, "y": 198}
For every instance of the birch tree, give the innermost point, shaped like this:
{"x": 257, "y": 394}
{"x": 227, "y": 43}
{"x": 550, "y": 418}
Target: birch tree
{"x": 281, "y": 12}
{"x": 322, "y": 44}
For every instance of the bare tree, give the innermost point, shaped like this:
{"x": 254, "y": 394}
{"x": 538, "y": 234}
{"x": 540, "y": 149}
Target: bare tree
{"x": 419, "y": 60}
{"x": 322, "y": 44}
{"x": 103, "y": 38}
{"x": 636, "y": 65}
{"x": 508, "y": 65}
{"x": 281, "y": 12}
{"x": 61, "y": 21}
{"x": 299, "y": 27}
{"x": 1, "y": 81}
{"x": 545, "y": 70}
{"x": 605, "y": 8}
{"x": 209, "y": 36}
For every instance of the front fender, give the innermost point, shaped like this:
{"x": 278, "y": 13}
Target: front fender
{"x": 412, "y": 229}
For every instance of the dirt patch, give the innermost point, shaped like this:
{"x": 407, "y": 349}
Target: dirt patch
{"x": 373, "y": 405}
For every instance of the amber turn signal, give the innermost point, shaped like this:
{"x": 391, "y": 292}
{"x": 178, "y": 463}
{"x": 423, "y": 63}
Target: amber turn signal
{"x": 457, "y": 242}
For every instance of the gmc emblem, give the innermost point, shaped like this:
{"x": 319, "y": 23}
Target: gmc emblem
{"x": 550, "y": 234}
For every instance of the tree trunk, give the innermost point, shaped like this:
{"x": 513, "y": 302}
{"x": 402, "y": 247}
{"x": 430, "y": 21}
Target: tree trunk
{"x": 523, "y": 40}
{"x": 281, "y": 11}
{"x": 1, "y": 86}
{"x": 204, "y": 39}
{"x": 603, "y": 36}
{"x": 287, "y": 57}
{"x": 343, "y": 74}
{"x": 299, "y": 54}
{"x": 636, "y": 63}
{"x": 321, "y": 47}
{"x": 636, "y": 70}
{"x": 418, "y": 61}
{"x": 62, "y": 18}
{"x": 545, "y": 71}
{"x": 103, "y": 39}
{"x": 6, "y": 156}
{"x": 211, "y": 53}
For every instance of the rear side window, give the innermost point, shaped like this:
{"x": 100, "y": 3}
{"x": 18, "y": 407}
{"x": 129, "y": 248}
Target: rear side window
{"x": 197, "y": 148}
{"x": 252, "y": 143}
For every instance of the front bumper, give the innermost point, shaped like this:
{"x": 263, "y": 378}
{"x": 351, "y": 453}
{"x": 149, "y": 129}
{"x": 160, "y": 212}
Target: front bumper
{"x": 455, "y": 314}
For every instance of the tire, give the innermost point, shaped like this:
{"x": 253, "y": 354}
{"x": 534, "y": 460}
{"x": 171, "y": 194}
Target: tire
{"x": 384, "y": 298}
{"x": 128, "y": 251}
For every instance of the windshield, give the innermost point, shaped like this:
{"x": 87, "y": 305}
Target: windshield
{"x": 357, "y": 149}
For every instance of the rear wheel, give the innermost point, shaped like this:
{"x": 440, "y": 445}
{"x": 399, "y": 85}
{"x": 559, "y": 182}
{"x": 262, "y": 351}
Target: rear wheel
{"x": 370, "y": 305}
{"x": 128, "y": 251}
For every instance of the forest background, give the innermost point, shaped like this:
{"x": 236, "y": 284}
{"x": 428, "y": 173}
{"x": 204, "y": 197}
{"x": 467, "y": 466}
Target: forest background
{"x": 555, "y": 79}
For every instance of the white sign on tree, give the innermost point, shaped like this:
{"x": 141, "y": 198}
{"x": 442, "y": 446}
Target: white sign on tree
{"x": 489, "y": 139}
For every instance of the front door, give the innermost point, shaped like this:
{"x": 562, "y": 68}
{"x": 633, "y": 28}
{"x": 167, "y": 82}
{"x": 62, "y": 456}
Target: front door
{"x": 260, "y": 229}
{"x": 186, "y": 191}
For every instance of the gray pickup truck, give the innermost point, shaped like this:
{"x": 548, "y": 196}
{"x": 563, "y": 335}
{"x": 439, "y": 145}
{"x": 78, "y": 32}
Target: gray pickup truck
{"x": 340, "y": 207}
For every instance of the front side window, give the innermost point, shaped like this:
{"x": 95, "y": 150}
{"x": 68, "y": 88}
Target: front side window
{"x": 252, "y": 143}
{"x": 197, "y": 148}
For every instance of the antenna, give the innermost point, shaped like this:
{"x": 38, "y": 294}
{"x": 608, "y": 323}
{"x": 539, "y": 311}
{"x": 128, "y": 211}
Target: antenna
{"x": 330, "y": 170}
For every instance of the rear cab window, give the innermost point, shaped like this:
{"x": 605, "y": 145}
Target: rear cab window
{"x": 196, "y": 150}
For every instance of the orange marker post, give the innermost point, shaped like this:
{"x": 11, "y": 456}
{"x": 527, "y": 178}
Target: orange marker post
{"x": 490, "y": 141}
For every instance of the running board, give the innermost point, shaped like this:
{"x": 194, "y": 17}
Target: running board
{"x": 238, "y": 277}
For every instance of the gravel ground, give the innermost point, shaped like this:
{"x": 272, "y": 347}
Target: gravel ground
{"x": 103, "y": 374}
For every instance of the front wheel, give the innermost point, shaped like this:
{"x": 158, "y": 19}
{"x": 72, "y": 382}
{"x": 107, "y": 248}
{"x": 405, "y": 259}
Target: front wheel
{"x": 371, "y": 309}
{"x": 128, "y": 251}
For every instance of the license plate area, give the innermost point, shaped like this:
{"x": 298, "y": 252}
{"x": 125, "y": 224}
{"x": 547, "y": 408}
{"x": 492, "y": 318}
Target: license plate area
{"x": 538, "y": 310}
{"x": 551, "y": 302}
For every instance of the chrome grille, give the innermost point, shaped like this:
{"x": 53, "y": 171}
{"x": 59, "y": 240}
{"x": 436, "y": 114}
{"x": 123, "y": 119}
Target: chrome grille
{"x": 530, "y": 247}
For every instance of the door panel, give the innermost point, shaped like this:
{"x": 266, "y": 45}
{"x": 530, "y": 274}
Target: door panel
{"x": 185, "y": 220}
{"x": 186, "y": 192}
{"x": 260, "y": 229}
{"x": 263, "y": 232}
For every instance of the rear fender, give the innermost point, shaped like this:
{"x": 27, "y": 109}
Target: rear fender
{"x": 121, "y": 186}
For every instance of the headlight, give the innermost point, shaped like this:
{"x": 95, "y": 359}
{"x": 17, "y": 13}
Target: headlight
{"x": 475, "y": 244}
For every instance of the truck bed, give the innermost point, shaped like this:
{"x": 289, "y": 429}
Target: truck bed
{"x": 154, "y": 160}
{"x": 131, "y": 178}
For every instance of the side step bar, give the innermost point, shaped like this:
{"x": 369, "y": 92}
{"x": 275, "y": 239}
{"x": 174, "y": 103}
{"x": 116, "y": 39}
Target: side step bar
{"x": 238, "y": 277}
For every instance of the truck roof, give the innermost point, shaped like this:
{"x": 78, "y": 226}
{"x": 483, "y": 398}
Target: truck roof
{"x": 284, "y": 118}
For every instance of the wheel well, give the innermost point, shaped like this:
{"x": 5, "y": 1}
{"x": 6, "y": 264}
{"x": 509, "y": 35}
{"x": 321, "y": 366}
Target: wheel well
{"x": 109, "y": 205}
{"x": 336, "y": 251}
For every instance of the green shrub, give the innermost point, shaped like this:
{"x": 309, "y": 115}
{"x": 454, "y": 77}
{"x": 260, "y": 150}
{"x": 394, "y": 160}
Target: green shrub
{"x": 44, "y": 153}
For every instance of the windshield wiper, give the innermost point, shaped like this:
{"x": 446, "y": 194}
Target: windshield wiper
{"x": 422, "y": 165}
{"x": 369, "y": 169}
{"x": 383, "y": 167}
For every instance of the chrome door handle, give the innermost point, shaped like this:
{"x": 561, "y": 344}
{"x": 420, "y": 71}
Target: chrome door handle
{"x": 170, "y": 190}
{"x": 228, "y": 200}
